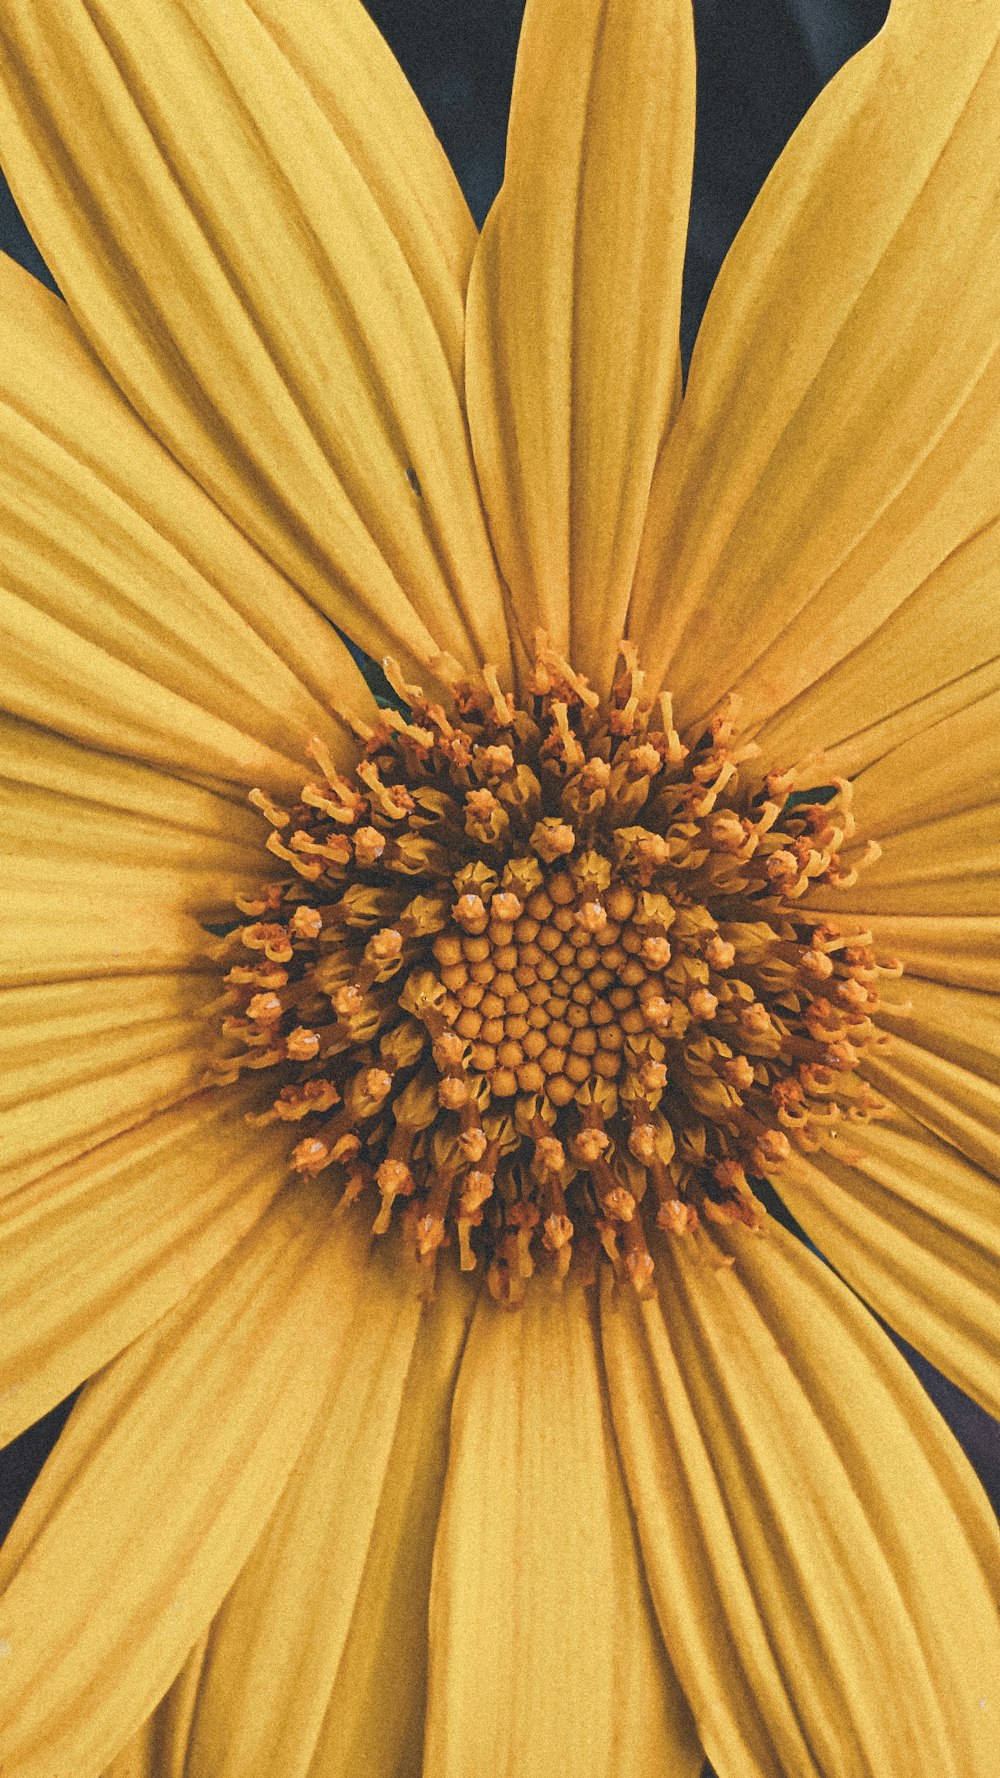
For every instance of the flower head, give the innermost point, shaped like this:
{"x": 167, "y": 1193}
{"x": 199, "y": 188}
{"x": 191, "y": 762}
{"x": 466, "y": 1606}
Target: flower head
{"x": 524, "y": 989}
{"x": 686, "y": 1497}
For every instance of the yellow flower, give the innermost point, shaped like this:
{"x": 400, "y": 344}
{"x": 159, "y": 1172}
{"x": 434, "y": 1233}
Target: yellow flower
{"x": 333, "y": 1531}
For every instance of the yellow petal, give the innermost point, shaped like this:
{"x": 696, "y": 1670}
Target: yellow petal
{"x": 837, "y": 440}
{"x": 961, "y": 1026}
{"x": 942, "y": 1063}
{"x": 574, "y": 306}
{"x": 135, "y": 615}
{"x": 945, "y": 866}
{"x": 43, "y": 935}
{"x": 375, "y": 1717}
{"x": 277, "y": 1641}
{"x": 80, "y": 1061}
{"x": 543, "y": 1654}
{"x": 106, "y": 862}
{"x": 955, "y": 1102}
{"x": 316, "y": 1662}
{"x": 941, "y": 770}
{"x": 97, "y": 1250}
{"x": 157, "y": 1490}
{"x": 901, "y": 681}
{"x": 817, "y": 1546}
{"x": 913, "y": 1228}
{"x": 960, "y": 949}
{"x": 342, "y": 59}
{"x": 100, "y": 869}
{"x": 214, "y": 221}
{"x": 158, "y": 1750}
{"x": 34, "y": 756}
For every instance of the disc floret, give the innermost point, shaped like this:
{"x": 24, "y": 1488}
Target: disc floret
{"x": 538, "y": 984}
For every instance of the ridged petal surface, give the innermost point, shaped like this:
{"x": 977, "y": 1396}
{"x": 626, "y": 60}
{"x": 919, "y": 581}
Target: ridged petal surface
{"x": 913, "y": 1227}
{"x": 94, "y": 1251}
{"x": 544, "y": 1655}
{"x": 817, "y": 1545}
{"x": 838, "y": 441}
{"x": 134, "y": 616}
{"x": 574, "y": 308}
{"x": 156, "y": 1493}
{"x": 226, "y": 232}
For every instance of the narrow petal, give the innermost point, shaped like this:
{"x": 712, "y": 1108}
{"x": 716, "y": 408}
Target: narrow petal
{"x": 227, "y": 236}
{"x": 316, "y": 1662}
{"x": 100, "y": 869}
{"x": 108, "y": 865}
{"x": 96, "y": 1250}
{"x": 943, "y": 1064}
{"x": 43, "y": 934}
{"x": 961, "y": 949}
{"x": 900, "y": 682}
{"x": 817, "y": 1546}
{"x": 80, "y": 1061}
{"x": 961, "y": 1026}
{"x": 156, "y": 1492}
{"x": 838, "y": 437}
{"x": 574, "y": 308}
{"x": 72, "y": 858}
{"x": 375, "y": 1718}
{"x": 134, "y": 615}
{"x": 33, "y": 756}
{"x": 945, "y": 866}
{"x": 930, "y": 898}
{"x": 956, "y": 1102}
{"x": 949, "y": 766}
{"x": 914, "y": 1229}
{"x": 544, "y": 1657}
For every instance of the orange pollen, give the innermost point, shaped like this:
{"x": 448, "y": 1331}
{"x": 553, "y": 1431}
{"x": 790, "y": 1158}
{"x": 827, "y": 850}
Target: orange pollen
{"x": 539, "y": 986}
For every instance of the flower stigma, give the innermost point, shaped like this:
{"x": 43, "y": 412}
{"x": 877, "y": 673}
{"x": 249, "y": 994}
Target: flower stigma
{"x": 538, "y": 985}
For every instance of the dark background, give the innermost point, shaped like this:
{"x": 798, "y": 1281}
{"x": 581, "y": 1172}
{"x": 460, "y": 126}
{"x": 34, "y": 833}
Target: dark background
{"x": 759, "y": 68}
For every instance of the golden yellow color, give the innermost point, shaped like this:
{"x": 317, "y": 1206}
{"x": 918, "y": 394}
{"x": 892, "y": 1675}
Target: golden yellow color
{"x": 299, "y": 1525}
{"x": 539, "y": 980}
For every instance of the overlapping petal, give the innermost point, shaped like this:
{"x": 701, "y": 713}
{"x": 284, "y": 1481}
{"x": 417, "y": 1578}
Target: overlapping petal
{"x": 214, "y": 191}
{"x": 202, "y": 1421}
{"x": 543, "y": 1653}
{"x": 957, "y": 1103}
{"x": 913, "y": 1227}
{"x": 950, "y": 766}
{"x": 316, "y": 1663}
{"x": 945, "y": 947}
{"x": 109, "y": 865}
{"x": 838, "y": 441}
{"x": 345, "y": 63}
{"x": 946, "y": 867}
{"x": 259, "y": 190}
{"x": 134, "y": 616}
{"x": 960, "y": 1026}
{"x": 94, "y": 1250}
{"x": 817, "y": 1546}
{"x": 574, "y": 308}
{"x": 160, "y": 1748}
{"x": 900, "y": 682}
{"x": 80, "y": 1061}
{"x": 942, "y": 1064}
{"x": 376, "y": 1708}
{"x": 930, "y": 802}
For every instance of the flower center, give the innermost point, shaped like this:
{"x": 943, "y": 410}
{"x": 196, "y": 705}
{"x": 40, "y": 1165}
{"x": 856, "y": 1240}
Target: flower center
{"x": 538, "y": 983}
{"x": 552, "y": 987}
